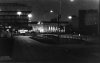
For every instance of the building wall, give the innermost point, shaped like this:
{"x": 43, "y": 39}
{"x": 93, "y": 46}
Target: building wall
{"x": 91, "y": 17}
{"x": 82, "y": 14}
{"x": 49, "y": 27}
{"x": 88, "y": 21}
{"x": 75, "y": 23}
{"x": 8, "y": 14}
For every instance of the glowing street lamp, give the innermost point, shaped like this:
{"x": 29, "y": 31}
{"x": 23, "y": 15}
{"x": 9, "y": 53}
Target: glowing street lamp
{"x": 70, "y": 17}
{"x": 51, "y": 11}
{"x": 19, "y": 13}
{"x": 30, "y": 15}
{"x": 72, "y": 0}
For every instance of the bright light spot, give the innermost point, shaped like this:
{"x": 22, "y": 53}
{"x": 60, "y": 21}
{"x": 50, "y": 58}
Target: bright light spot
{"x": 39, "y": 23}
{"x": 41, "y": 29}
{"x": 79, "y": 34}
{"x": 70, "y": 17}
{"x": 19, "y": 13}
{"x": 49, "y": 28}
{"x": 9, "y": 27}
{"x": 22, "y": 31}
{"x": 53, "y": 28}
{"x": 56, "y": 28}
{"x": 8, "y": 30}
{"x": 72, "y": 0}
{"x": 51, "y": 11}
{"x": 30, "y": 15}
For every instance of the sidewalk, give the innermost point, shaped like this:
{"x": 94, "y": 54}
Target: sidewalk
{"x": 94, "y": 39}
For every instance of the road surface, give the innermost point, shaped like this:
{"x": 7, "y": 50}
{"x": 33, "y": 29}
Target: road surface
{"x": 29, "y": 50}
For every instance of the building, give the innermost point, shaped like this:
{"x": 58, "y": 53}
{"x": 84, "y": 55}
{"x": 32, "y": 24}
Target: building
{"x": 88, "y": 21}
{"x": 75, "y": 23}
{"x": 49, "y": 27}
{"x": 14, "y": 15}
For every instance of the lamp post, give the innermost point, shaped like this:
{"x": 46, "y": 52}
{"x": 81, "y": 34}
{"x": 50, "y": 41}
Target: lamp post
{"x": 99, "y": 20}
{"x": 59, "y": 17}
{"x": 29, "y": 17}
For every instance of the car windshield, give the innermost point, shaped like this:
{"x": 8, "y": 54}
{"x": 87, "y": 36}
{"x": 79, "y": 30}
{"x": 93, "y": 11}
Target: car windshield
{"x": 63, "y": 31}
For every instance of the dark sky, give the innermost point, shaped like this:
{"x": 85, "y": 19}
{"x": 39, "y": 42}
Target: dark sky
{"x": 41, "y": 8}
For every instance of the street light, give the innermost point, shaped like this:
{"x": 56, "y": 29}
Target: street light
{"x": 72, "y": 0}
{"x": 19, "y": 13}
{"x": 30, "y": 15}
{"x": 69, "y": 17}
{"x": 51, "y": 11}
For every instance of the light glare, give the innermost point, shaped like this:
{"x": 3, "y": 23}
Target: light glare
{"x": 29, "y": 15}
{"x": 71, "y": 0}
{"x": 19, "y": 13}
{"x": 51, "y": 11}
{"x": 69, "y": 17}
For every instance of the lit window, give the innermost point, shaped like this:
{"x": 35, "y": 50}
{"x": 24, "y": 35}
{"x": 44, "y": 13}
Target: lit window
{"x": 49, "y": 28}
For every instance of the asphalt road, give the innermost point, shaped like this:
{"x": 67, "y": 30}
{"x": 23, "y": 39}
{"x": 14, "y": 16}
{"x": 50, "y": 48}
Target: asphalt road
{"x": 28, "y": 50}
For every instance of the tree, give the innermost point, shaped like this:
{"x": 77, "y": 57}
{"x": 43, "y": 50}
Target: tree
{"x": 54, "y": 20}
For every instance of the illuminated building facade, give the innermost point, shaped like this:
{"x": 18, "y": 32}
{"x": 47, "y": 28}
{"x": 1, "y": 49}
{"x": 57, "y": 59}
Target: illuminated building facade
{"x": 49, "y": 27}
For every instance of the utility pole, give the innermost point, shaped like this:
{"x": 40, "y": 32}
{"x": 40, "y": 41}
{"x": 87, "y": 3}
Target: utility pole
{"x": 98, "y": 24}
{"x": 59, "y": 18}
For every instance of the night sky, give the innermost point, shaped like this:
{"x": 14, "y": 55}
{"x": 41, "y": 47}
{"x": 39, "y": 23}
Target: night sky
{"x": 41, "y": 8}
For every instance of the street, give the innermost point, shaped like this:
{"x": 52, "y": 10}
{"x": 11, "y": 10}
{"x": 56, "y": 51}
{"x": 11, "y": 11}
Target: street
{"x": 29, "y": 50}
{"x": 49, "y": 31}
{"x": 25, "y": 49}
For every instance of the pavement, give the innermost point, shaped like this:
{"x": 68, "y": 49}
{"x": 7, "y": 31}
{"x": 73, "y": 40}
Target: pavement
{"x": 94, "y": 39}
{"x": 28, "y": 50}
